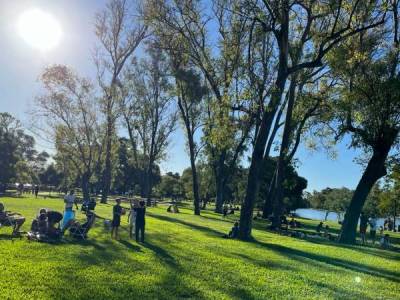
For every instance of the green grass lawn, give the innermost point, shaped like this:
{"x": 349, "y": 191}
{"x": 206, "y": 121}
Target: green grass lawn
{"x": 185, "y": 257}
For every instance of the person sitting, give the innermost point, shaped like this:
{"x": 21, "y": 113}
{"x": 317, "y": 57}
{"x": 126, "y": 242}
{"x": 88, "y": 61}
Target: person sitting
{"x": 225, "y": 211}
{"x": 7, "y": 218}
{"x": 79, "y": 230}
{"x": 384, "y": 242}
{"x": 292, "y": 223}
{"x": 298, "y": 224}
{"x": 284, "y": 222}
{"x": 326, "y": 231}
{"x": 319, "y": 227}
{"x": 234, "y": 233}
{"x": 258, "y": 216}
{"x": 380, "y": 230}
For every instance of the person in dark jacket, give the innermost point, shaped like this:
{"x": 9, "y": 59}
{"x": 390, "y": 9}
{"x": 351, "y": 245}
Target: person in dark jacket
{"x": 116, "y": 222}
{"x": 140, "y": 221}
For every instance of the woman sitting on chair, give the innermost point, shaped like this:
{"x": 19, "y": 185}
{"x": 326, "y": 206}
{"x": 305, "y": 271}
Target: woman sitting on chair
{"x": 11, "y": 219}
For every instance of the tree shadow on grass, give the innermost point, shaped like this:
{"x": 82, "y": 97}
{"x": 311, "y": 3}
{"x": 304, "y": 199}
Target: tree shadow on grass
{"x": 338, "y": 293}
{"x": 263, "y": 263}
{"x": 349, "y": 265}
{"x": 162, "y": 254}
{"x": 205, "y": 229}
{"x": 130, "y": 246}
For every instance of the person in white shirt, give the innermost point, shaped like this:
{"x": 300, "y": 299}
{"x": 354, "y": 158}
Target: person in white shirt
{"x": 132, "y": 218}
{"x": 69, "y": 214}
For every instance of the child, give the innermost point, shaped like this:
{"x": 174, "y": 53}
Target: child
{"x": 132, "y": 219}
{"x": 116, "y": 222}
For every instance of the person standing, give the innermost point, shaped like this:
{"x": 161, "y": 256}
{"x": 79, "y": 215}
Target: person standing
{"x": 363, "y": 227}
{"x": 132, "y": 219}
{"x": 36, "y": 190}
{"x": 373, "y": 227}
{"x": 69, "y": 201}
{"x": 140, "y": 221}
{"x": 116, "y": 222}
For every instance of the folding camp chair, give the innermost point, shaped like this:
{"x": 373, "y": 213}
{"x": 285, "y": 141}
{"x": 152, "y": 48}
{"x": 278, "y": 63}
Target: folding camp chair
{"x": 80, "y": 231}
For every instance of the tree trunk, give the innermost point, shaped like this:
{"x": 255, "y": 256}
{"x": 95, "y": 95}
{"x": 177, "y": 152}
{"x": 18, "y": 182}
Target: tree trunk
{"x": 375, "y": 170}
{"x": 219, "y": 201}
{"x": 148, "y": 184}
{"x": 246, "y": 213}
{"x": 282, "y": 160}
{"x": 219, "y": 180}
{"x": 85, "y": 186}
{"x": 196, "y": 196}
{"x": 107, "y": 169}
{"x": 253, "y": 182}
{"x": 267, "y": 208}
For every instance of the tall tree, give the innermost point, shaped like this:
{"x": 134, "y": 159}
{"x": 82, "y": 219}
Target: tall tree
{"x": 150, "y": 110}
{"x": 369, "y": 105}
{"x": 317, "y": 26}
{"x": 119, "y": 34}
{"x": 218, "y": 56}
{"x": 68, "y": 108}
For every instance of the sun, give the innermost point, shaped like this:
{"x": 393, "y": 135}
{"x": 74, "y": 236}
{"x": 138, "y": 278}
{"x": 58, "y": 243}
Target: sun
{"x": 39, "y": 29}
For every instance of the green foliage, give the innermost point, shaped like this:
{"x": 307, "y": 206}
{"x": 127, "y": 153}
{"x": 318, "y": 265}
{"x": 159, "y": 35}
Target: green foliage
{"x": 331, "y": 199}
{"x": 19, "y": 161}
{"x": 171, "y": 186}
{"x": 293, "y": 185}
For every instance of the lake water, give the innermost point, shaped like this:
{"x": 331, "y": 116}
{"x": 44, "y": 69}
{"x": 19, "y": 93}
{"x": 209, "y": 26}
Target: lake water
{"x": 319, "y": 214}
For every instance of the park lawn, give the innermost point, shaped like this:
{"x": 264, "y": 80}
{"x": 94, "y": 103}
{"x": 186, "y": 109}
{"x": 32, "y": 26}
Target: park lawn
{"x": 185, "y": 257}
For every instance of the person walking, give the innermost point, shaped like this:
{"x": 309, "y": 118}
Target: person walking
{"x": 140, "y": 221}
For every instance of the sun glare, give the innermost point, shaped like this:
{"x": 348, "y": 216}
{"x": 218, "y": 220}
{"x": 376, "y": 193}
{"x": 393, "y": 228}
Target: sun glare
{"x": 39, "y": 29}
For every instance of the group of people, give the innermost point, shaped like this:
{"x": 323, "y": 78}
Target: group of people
{"x": 22, "y": 189}
{"x": 365, "y": 221}
{"x": 390, "y": 225}
{"x": 324, "y": 229}
{"x": 229, "y": 210}
{"x": 136, "y": 219}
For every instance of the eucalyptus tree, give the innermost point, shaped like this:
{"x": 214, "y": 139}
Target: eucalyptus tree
{"x": 67, "y": 109}
{"x": 190, "y": 94}
{"x": 149, "y": 109}
{"x": 214, "y": 37}
{"x": 314, "y": 27}
{"x": 119, "y": 31}
{"x": 368, "y": 105}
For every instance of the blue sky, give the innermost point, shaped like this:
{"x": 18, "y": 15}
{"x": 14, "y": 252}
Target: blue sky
{"x": 21, "y": 65}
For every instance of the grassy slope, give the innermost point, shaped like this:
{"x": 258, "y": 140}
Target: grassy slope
{"x": 185, "y": 257}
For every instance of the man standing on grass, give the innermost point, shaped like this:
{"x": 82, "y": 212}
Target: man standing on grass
{"x": 372, "y": 231}
{"x": 140, "y": 221}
